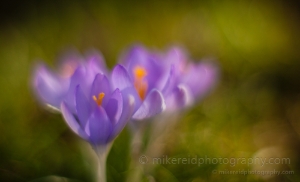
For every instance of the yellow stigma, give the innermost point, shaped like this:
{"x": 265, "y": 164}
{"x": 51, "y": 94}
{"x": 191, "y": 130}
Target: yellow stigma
{"x": 99, "y": 99}
{"x": 140, "y": 84}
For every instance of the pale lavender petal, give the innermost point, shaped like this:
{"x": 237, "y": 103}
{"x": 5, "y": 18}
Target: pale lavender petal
{"x": 72, "y": 122}
{"x": 133, "y": 93}
{"x": 176, "y": 55}
{"x": 49, "y": 87}
{"x": 128, "y": 110}
{"x": 121, "y": 78}
{"x": 176, "y": 59}
{"x": 114, "y": 107}
{"x": 83, "y": 107}
{"x": 100, "y": 84}
{"x": 179, "y": 98}
{"x": 76, "y": 79}
{"x": 201, "y": 78}
{"x": 96, "y": 63}
{"x": 100, "y": 126}
{"x": 152, "y": 105}
{"x": 171, "y": 82}
{"x": 135, "y": 55}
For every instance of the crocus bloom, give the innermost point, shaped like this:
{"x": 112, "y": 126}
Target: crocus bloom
{"x": 54, "y": 87}
{"x": 141, "y": 78}
{"x": 187, "y": 81}
{"x": 100, "y": 112}
{"x": 177, "y": 81}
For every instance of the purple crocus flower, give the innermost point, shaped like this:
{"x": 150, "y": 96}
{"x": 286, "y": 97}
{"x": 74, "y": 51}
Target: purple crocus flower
{"x": 141, "y": 78}
{"x": 85, "y": 97}
{"x": 100, "y": 113}
{"x": 54, "y": 87}
{"x": 176, "y": 81}
{"x": 187, "y": 81}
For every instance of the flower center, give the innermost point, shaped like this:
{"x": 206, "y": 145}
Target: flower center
{"x": 140, "y": 84}
{"x": 99, "y": 99}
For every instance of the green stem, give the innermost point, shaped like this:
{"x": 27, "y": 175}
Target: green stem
{"x": 102, "y": 153}
{"x": 136, "y": 168}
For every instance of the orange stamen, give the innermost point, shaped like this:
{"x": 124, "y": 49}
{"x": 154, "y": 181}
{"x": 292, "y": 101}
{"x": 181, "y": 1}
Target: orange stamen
{"x": 140, "y": 84}
{"x": 139, "y": 72}
{"x": 99, "y": 99}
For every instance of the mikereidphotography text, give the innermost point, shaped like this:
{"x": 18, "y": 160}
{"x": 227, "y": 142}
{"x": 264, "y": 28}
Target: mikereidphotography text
{"x": 200, "y": 160}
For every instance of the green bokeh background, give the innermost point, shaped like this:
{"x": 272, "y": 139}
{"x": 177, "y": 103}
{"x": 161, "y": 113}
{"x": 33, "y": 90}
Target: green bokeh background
{"x": 254, "y": 108}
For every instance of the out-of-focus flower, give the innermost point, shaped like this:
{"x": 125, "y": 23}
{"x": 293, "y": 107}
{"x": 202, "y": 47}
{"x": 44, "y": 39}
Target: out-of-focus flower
{"x": 52, "y": 87}
{"x": 163, "y": 80}
{"x": 187, "y": 81}
{"x": 140, "y": 76}
{"x": 100, "y": 114}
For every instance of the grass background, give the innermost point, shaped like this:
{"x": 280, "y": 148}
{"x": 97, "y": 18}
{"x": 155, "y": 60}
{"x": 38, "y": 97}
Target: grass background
{"x": 255, "y": 108}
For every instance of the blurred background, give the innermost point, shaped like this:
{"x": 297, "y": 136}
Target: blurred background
{"x": 253, "y": 111}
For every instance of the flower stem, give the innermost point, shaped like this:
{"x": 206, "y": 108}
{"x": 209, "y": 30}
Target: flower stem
{"x": 102, "y": 153}
{"x": 136, "y": 167}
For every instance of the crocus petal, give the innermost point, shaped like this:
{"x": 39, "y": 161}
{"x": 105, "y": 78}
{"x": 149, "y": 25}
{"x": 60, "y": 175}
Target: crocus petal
{"x": 82, "y": 107}
{"x": 137, "y": 54}
{"x": 201, "y": 78}
{"x": 114, "y": 107}
{"x": 100, "y": 84}
{"x": 50, "y": 88}
{"x": 179, "y": 98}
{"x": 170, "y": 83}
{"x": 133, "y": 93}
{"x": 95, "y": 60}
{"x": 121, "y": 78}
{"x": 176, "y": 55}
{"x": 76, "y": 79}
{"x": 128, "y": 109}
{"x": 99, "y": 126}
{"x": 152, "y": 105}
{"x": 72, "y": 122}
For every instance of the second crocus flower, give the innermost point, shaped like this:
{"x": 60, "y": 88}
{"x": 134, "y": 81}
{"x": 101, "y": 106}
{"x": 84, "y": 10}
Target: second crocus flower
{"x": 141, "y": 77}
